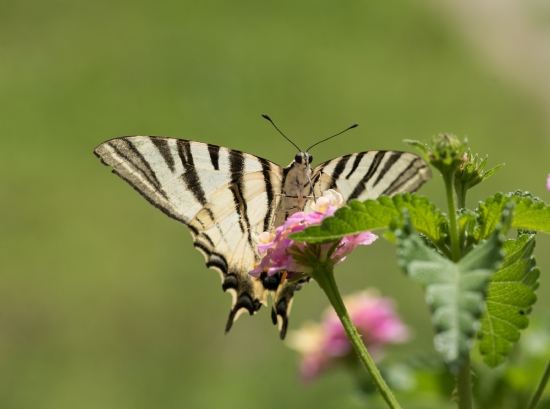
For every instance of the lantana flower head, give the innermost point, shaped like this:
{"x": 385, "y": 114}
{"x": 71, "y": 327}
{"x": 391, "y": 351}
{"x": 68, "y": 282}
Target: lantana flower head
{"x": 548, "y": 182}
{"x": 284, "y": 254}
{"x": 325, "y": 344}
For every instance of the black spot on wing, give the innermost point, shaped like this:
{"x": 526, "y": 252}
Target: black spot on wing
{"x": 362, "y": 185}
{"x": 190, "y": 176}
{"x": 193, "y": 230}
{"x": 202, "y": 247}
{"x": 214, "y": 152}
{"x": 270, "y": 283}
{"x": 244, "y": 301}
{"x": 218, "y": 261}
{"x": 230, "y": 281}
{"x": 164, "y": 149}
{"x": 281, "y": 310}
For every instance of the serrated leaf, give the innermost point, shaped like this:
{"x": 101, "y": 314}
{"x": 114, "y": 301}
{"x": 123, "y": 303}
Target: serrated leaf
{"x": 454, "y": 291}
{"x": 510, "y": 297}
{"x": 530, "y": 213}
{"x": 358, "y": 217}
{"x": 490, "y": 215}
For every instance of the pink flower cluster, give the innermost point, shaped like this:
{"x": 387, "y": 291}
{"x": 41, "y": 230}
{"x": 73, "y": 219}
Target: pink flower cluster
{"x": 282, "y": 253}
{"x": 323, "y": 345}
{"x": 548, "y": 182}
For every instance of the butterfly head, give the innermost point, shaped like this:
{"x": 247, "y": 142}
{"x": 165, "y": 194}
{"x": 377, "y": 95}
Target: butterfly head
{"x": 303, "y": 157}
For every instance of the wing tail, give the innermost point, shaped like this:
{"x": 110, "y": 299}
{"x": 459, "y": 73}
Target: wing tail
{"x": 282, "y": 303}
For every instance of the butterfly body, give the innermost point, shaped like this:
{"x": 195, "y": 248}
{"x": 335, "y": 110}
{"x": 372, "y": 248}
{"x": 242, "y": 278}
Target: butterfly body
{"x": 227, "y": 198}
{"x": 295, "y": 192}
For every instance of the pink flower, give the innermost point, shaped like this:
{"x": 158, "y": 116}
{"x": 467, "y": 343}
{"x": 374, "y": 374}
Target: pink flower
{"x": 548, "y": 182}
{"x": 284, "y": 254}
{"x": 323, "y": 345}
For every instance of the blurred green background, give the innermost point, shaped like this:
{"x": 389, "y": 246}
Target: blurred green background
{"x": 104, "y": 303}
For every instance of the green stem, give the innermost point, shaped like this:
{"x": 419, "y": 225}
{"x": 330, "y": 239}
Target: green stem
{"x": 455, "y": 244}
{"x": 464, "y": 377}
{"x": 464, "y": 385}
{"x": 540, "y": 388}
{"x": 324, "y": 275}
{"x": 461, "y": 198}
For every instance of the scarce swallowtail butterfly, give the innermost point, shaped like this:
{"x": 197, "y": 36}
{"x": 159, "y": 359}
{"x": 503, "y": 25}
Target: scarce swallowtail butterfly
{"x": 227, "y": 198}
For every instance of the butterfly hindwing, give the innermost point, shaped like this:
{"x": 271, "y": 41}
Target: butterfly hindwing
{"x": 225, "y": 197}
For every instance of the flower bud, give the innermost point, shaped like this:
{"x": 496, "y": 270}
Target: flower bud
{"x": 448, "y": 153}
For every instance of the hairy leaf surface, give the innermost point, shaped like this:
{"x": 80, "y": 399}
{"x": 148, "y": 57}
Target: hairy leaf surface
{"x": 454, "y": 291}
{"x": 358, "y": 217}
{"x": 510, "y": 297}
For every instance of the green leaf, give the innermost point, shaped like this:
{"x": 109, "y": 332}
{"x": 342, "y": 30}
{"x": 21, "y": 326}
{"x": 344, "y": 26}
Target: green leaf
{"x": 510, "y": 297}
{"x": 466, "y": 229}
{"x": 530, "y": 213}
{"x": 471, "y": 173}
{"x": 490, "y": 215}
{"x": 454, "y": 292}
{"x": 358, "y": 217}
{"x": 421, "y": 146}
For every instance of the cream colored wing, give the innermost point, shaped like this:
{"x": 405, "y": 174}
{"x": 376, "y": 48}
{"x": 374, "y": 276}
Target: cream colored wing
{"x": 367, "y": 175}
{"x": 225, "y": 197}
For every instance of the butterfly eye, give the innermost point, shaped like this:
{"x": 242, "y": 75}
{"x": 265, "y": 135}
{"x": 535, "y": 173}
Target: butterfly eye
{"x": 298, "y": 158}
{"x": 310, "y": 158}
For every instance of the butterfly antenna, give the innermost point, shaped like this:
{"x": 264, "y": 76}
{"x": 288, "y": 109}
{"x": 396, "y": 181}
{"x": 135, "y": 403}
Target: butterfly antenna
{"x": 273, "y": 123}
{"x": 355, "y": 125}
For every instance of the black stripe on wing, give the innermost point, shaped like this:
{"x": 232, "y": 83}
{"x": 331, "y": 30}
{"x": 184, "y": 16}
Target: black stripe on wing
{"x": 356, "y": 161}
{"x": 214, "y": 152}
{"x": 416, "y": 167}
{"x": 128, "y": 153}
{"x": 164, "y": 150}
{"x": 270, "y": 193}
{"x": 282, "y": 302}
{"x": 362, "y": 185}
{"x": 340, "y": 166}
{"x": 236, "y": 162}
{"x": 190, "y": 176}
{"x": 238, "y": 283}
{"x": 394, "y": 157}
{"x": 165, "y": 157}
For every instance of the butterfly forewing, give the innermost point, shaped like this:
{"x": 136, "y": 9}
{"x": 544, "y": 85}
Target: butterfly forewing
{"x": 224, "y": 196}
{"x": 368, "y": 175}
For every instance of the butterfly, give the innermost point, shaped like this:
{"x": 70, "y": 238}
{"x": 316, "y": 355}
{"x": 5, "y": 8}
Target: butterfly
{"x": 227, "y": 198}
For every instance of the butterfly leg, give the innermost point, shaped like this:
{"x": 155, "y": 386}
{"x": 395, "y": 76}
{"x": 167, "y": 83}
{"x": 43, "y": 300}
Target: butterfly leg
{"x": 295, "y": 197}
{"x": 311, "y": 184}
{"x": 287, "y": 210}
